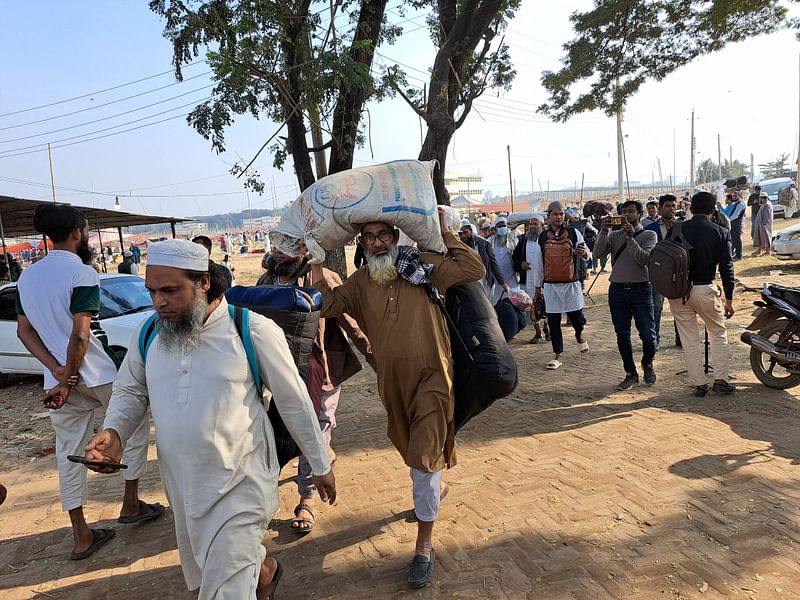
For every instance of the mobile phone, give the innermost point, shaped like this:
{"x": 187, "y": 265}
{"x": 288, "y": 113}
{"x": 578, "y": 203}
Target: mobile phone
{"x": 57, "y": 400}
{"x": 95, "y": 463}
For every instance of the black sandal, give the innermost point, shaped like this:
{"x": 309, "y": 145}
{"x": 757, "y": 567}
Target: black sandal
{"x": 301, "y": 525}
{"x": 99, "y": 537}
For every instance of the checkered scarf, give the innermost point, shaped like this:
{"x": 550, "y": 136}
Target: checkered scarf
{"x": 411, "y": 268}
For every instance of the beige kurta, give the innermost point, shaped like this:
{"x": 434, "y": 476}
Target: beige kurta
{"x": 411, "y": 345}
{"x": 216, "y": 448}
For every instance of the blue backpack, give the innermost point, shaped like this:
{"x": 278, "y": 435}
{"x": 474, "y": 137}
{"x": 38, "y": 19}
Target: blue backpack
{"x": 241, "y": 319}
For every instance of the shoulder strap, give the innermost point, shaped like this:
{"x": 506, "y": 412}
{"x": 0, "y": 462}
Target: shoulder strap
{"x": 146, "y": 335}
{"x": 621, "y": 249}
{"x": 241, "y": 320}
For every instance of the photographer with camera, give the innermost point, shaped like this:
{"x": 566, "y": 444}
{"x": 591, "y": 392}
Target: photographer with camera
{"x": 630, "y": 294}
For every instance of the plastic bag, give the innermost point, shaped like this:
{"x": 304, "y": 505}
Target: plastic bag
{"x": 520, "y": 299}
{"x": 329, "y": 213}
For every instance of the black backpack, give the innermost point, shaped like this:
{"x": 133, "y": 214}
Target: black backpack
{"x": 668, "y": 266}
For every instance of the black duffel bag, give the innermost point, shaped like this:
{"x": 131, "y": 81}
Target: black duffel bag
{"x": 483, "y": 367}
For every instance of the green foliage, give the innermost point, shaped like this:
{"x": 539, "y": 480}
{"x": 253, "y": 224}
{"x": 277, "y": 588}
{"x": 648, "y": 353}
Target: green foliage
{"x": 708, "y": 170}
{"x": 775, "y": 168}
{"x": 620, "y": 44}
{"x": 247, "y": 45}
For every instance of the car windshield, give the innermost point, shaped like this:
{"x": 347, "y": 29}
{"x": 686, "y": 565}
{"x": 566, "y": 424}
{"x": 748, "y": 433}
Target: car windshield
{"x": 774, "y": 188}
{"x": 123, "y": 295}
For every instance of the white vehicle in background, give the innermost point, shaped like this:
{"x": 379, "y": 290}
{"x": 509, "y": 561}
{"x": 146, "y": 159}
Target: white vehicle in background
{"x": 786, "y": 243}
{"x": 772, "y": 188}
{"x": 125, "y": 302}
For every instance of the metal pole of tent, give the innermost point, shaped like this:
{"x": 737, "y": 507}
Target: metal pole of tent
{"x": 5, "y": 250}
{"x": 121, "y": 241}
{"x": 172, "y": 226}
{"x": 102, "y": 250}
{"x": 44, "y": 243}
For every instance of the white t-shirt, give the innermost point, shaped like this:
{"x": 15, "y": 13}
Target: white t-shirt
{"x": 49, "y": 293}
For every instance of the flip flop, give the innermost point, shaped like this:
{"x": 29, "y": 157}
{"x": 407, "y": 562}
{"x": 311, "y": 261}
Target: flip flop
{"x": 99, "y": 537}
{"x": 153, "y": 512}
{"x": 303, "y": 525}
{"x": 583, "y": 346}
{"x": 553, "y": 364}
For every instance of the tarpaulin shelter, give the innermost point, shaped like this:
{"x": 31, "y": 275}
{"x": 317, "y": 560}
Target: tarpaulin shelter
{"x": 16, "y": 219}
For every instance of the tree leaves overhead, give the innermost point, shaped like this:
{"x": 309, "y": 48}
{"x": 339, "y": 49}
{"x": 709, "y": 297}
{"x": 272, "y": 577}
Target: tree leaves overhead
{"x": 620, "y": 44}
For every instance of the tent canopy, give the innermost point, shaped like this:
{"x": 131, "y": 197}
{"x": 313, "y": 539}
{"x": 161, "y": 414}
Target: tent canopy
{"x": 16, "y": 215}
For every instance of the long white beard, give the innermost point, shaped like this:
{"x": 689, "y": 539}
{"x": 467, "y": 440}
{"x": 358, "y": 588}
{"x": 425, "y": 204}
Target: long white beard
{"x": 184, "y": 332}
{"x": 381, "y": 268}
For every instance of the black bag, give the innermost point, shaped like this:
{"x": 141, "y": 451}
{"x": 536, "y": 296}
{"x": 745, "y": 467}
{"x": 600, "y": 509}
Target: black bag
{"x": 483, "y": 367}
{"x": 300, "y": 328}
{"x": 510, "y": 319}
{"x": 669, "y": 265}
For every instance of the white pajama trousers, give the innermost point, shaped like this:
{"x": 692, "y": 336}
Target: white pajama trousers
{"x": 426, "y": 491}
{"x": 73, "y": 424}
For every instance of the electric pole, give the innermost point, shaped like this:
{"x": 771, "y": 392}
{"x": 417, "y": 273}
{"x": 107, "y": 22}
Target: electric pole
{"x": 620, "y": 183}
{"x": 510, "y": 180}
{"x": 691, "y": 158}
{"x": 719, "y": 158}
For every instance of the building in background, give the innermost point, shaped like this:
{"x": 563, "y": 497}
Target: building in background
{"x": 191, "y": 229}
{"x": 469, "y": 185}
{"x": 261, "y": 223}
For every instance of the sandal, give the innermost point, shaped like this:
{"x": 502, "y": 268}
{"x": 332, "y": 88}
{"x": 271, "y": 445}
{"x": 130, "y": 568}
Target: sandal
{"x": 99, "y": 537}
{"x": 583, "y": 345}
{"x": 536, "y": 339}
{"x": 301, "y": 525}
{"x": 147, "y": 512}
{"x": 553, "y": 364}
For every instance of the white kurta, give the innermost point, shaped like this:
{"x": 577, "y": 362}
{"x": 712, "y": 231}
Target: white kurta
{"x": 216, "y": 448}
{"x": 558, "y": 297}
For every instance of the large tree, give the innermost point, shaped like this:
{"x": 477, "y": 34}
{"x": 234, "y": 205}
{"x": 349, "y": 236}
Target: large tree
{"x": 471, "y": 57}
{"x": 306, "y": 70}
{"x": 620, "y": 44}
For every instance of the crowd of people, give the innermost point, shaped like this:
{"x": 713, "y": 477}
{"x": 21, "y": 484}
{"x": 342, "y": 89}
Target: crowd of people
{"x": 206, "y": 379}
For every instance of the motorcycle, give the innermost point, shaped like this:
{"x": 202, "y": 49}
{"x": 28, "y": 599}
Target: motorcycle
{"x": 775, "y": 349}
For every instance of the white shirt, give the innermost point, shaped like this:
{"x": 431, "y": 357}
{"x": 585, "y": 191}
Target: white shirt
{"x": 216, "y": 447}
{"x": 50, "y": 292}
{"x": 558, "y": 297}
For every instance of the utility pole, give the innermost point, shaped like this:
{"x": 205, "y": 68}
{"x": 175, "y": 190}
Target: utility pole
{"x": 691, "y": 158}
{"x": 719, "y": 157}
{"x": 620, "y": 182}
{"x": 510, "y": 180}
{"x": 533, "y": 190}
{"x": 660, "y": 176}
{"x": 730, "y": 160}
{"x": 752, "y": 169}
{"x": 797, "y": 178}
{"x": 52, "y": 176}
{"x": 674, "y": 170}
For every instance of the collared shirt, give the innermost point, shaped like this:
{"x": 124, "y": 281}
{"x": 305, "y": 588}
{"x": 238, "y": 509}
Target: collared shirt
{"x": 631, "y": 266}
{"x": 558, "y": 297}
{"x": 50, "y": 293}
{"x": 735, "y": 210}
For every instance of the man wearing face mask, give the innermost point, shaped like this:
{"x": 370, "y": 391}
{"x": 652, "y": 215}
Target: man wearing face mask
{"x": 504, "y": 242}
{"x": 484, "y": 249}
{"x": 57, "y": 305}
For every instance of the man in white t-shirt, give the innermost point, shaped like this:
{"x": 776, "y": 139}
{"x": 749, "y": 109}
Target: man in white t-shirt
{"x": 57, "y": 304}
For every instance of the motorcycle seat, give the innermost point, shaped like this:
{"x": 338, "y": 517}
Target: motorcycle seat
{"x": 789, "y": 295}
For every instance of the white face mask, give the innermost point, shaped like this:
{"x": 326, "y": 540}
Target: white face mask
{"x": 502, "y": 231}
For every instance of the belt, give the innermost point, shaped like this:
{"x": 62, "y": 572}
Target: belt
{"x": 631, "y": 286}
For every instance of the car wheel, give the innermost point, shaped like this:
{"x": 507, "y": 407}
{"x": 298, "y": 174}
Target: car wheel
{"x": 5, "y": 379}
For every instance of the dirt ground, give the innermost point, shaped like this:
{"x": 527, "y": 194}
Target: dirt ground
{"x": 567, "y": 489}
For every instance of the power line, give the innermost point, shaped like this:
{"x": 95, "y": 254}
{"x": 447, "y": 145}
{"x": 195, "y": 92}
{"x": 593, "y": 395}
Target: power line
{"x": 75, "y": 112}
{"x": 16, "y": 112}
{"x": 106, "y": 118}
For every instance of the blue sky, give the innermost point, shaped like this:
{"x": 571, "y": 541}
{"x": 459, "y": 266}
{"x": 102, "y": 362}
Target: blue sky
{"x": 53, "y": 50}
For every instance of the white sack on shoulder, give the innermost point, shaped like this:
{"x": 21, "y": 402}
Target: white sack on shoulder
{"x": 330, "y": 212}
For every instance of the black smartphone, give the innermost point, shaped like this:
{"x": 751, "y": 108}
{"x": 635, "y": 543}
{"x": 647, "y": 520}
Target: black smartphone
{"x": 95, "y": 463}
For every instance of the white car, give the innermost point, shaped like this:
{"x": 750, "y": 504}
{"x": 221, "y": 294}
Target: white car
{"x": 125, "y": 302}
{"x": 772, "y": 188}
{"x": 786, "y": 243}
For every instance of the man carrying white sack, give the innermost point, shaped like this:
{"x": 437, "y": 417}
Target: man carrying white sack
{"x": 408, "y": 333}
{"x": 215, "y": 443}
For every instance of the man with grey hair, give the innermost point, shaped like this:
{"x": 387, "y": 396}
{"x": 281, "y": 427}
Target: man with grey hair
{"x": 216, "y": 448}
{"x": 390, "y": 300}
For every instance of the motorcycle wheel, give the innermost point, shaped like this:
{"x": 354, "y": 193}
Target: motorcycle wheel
{"x": 766, "y": 368}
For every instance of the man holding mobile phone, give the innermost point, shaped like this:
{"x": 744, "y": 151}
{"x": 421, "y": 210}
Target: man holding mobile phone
{"x": 57, "y": 305}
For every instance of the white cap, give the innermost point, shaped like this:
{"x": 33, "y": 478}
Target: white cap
{"x": 179, "y": 254}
